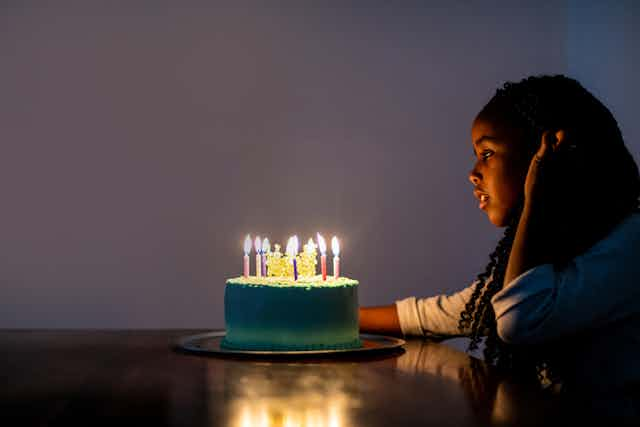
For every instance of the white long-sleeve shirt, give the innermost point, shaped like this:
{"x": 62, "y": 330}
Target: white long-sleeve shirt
{"x": 597, "y": 294}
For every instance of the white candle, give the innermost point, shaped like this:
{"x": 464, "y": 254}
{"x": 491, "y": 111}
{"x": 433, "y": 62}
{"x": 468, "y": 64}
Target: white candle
{"x": 247, "y": 249}
{"x": 258, "y": 246}
{"x": 335, "y": 248}
{"x": 322, "y": 245}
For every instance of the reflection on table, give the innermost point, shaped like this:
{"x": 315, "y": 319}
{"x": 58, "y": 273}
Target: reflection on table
{"x": 427, "y": 381}
{"x": 109, "y": 377}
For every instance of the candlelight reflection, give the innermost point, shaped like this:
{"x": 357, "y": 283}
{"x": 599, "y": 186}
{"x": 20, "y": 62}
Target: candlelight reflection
{"x": 290, "y": 394}
{"x": 276, "y": 415}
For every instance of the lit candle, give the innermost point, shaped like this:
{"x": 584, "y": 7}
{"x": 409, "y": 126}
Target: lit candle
{"x": 258, "y": 246}
{"x": 310, "y": 246}
{"x": 295, "y": 254}
{"x": 335, "y": 248}
{"x": 322, "y": 245}
{"x": 292, "y": 251}
{"x": 247, "y": 249}
{"x": 266, "y": 247}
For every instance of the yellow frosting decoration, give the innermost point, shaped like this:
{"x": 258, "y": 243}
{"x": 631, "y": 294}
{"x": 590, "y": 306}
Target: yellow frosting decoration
{"x": 307, "y": 260}
{"x": 277, "y": 264}
{"x": 281, "y": 265}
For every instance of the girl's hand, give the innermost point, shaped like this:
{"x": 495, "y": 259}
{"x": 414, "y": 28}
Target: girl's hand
{"x": 536, "y": 183}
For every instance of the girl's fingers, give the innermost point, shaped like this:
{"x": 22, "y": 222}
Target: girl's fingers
{"x": 548, "y": 138}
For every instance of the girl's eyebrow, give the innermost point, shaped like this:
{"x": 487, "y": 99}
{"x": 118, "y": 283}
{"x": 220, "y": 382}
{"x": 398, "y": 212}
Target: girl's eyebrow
{"x": 485, "y": 138}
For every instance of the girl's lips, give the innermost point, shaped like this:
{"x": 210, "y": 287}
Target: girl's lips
{"x": 482, "y": 197}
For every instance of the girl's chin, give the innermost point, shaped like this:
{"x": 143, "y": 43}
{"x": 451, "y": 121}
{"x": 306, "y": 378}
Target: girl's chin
{"x": 498, "y": 218}
{"x": 498, "y": 223}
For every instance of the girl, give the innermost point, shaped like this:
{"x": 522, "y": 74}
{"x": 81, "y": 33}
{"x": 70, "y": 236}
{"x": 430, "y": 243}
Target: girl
{"x": 560, "y": 296}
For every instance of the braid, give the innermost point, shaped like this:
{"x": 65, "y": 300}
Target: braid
{"x": 470, "y": 307}
{"x": 487, "y": 318}
{"x": 479, "y": 315}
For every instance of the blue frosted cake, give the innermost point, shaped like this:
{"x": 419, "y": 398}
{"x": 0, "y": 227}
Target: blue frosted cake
{"x": 280, "y": 314}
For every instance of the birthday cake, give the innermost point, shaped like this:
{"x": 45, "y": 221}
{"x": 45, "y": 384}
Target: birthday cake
{"x": 279, "y": 311}
{"x": 277, "y": 314}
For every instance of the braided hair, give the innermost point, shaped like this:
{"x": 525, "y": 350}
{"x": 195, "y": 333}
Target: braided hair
{"x": 534, "y": 105}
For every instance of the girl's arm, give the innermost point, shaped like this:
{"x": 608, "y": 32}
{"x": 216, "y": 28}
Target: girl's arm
{"x": 434, "y": 317}
{"x": 382, "y": 320}
{"x": 594, "y": 290}
{"x": 532, "y": 235}
{"x": 531, "y": 244}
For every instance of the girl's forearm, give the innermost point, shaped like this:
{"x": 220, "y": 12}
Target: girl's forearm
{"x": 530, "y": 246}
{"x": 381, "y": 320}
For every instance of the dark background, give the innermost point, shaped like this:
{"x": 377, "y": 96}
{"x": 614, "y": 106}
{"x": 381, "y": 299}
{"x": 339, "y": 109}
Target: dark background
{"x": 141, "y": 140}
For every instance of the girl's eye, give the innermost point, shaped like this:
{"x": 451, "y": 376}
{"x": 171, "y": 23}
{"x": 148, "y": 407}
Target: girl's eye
{"x": 486, "y": 154}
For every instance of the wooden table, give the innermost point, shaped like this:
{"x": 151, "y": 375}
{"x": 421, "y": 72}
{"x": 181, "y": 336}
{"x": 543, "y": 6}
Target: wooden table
{"x": 108, "y": 377}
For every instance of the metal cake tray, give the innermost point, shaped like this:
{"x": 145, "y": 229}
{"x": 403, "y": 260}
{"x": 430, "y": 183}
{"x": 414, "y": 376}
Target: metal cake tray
{"x": 209, "y": 344}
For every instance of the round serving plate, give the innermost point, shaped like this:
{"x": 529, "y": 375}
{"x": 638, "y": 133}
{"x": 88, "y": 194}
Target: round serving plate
{"x": 209, "y": 344}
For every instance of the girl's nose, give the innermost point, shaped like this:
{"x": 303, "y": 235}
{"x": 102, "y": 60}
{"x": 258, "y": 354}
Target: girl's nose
{"x": 473, "y": 177}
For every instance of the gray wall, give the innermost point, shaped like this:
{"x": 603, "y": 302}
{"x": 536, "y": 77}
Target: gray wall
{"x": 604, "y": 54}
{"x": 140, "y": 143}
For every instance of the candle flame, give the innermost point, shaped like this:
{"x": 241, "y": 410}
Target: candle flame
{"x": 258, "y": 244}
{"x": 292, "y": 246}
{"x": 322, "y": 245}
{"x": 335, "y": 246}
{"x": 247, "y": 245}
{"x": 310, "y": 246}
{"x": 266, "y": 247}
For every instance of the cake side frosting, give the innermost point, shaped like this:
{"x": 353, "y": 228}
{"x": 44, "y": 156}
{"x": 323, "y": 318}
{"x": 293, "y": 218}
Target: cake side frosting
{"x": 274, "y": 313}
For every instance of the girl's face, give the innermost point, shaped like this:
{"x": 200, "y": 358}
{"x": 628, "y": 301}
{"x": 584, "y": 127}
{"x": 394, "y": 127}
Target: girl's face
{"x": 501, "y": 166}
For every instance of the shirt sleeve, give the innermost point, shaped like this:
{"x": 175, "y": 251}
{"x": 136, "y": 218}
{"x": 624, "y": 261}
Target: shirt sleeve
{"x": 595, "y": 289}
{"x": 437, "y": 316}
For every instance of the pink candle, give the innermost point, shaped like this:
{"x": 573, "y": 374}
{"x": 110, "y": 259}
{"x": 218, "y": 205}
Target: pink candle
{"x": 322, "y": 245}
{"x": 335, "y": 248}
{"x": 246, "y": 266}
